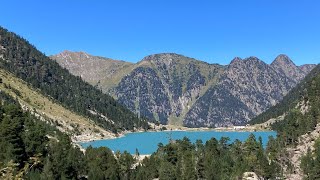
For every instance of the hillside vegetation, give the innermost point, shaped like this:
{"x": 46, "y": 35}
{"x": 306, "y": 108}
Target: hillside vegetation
{"x": 32, "y": 149}
{"x": 26, "y": 62}
{"x": 299, "y": 127}
{"x": 78, "y": 127}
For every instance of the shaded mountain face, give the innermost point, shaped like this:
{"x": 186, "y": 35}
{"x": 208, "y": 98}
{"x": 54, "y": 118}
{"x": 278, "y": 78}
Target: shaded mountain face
{"x": 165, "y": 86}
{"x": 300, "y": 97}
{"x": 161, "y": 87}
{"x": 143, "y": 92}
{"x": 174, "y": 89}
{"x": 246, "y": 88}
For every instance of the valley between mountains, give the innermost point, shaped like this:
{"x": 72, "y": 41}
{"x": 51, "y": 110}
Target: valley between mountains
{"x": 49, "y": 104}
{"x": 174, "y": 89}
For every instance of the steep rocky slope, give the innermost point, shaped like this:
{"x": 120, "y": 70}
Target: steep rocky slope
{"x": 161, "y": 87}
{"x": 295, "y": 153}
{"x": 247, "y": 88}
{"x": 175, "y": 89}
{"x": 296, "y": 119}
{"x": 306, "y": 68}
{"x": 284, "y": 64}
{"x": 165, "y": 86}
{"x": 292, "y": 100}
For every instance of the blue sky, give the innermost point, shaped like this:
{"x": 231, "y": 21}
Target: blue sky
{"x": 212, "y": 31}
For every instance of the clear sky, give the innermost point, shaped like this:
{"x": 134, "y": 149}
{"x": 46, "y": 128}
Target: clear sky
{"x": 214, "y": 30}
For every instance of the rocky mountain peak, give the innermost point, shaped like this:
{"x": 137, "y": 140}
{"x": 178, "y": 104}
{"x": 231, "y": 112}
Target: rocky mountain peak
{"x": 283, "y": 60}
{"x": 65, "y": 52}
{"x": 284, "y": 64}
{"x": 160, "y": 56}
{"x": 70, "y": 55}
{"x": 251, "y": 61}
{"x": 165, "y": 60}
{"x": 235, "y": 60}
{"x": 92, "y": 69}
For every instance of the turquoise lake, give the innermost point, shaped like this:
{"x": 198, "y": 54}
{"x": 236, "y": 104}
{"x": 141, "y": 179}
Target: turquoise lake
{"x": 147, "y": 142}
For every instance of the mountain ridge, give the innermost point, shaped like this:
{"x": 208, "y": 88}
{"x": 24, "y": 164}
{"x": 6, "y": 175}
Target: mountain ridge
{"x": 181, "y": 81}
{"x": 250, "y": 84}
{"x": 284, "y": 64}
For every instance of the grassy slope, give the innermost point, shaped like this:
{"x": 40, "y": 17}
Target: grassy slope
{"x": 67, "y": 121}
{"x": 96, "y": 70}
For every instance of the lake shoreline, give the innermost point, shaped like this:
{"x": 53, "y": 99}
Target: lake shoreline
{"x": 146, "y": 141}
{"x": 173, "y": 128}
{"x": 77, "y": 141}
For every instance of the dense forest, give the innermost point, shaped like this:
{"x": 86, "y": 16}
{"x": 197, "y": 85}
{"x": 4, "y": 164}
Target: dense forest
{"x": 215, "y": 159}
{"x": 26, "y": 62}
{"x": 32, "y": 149}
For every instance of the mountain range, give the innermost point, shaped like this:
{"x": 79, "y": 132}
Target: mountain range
{"x": 42, "y": 105}
{"x": 179, "y": 90}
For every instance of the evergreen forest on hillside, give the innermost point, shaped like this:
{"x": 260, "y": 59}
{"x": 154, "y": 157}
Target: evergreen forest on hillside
{"x": 26, "y": 62}
{"x": 32, "y": 149}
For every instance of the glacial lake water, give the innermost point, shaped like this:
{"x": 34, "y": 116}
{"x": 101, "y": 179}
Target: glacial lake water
{"x": 147, "y": 142}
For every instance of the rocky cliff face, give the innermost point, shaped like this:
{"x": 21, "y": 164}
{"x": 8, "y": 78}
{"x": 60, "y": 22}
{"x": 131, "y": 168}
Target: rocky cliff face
{"x": 165, "y": 86}
{"x": 284, "y": 65}
{"x": 306, "y": 68}
{"x": 175, "y": 89}
{"x": 245, "y": 89}
{"x": 143, "y": 92}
